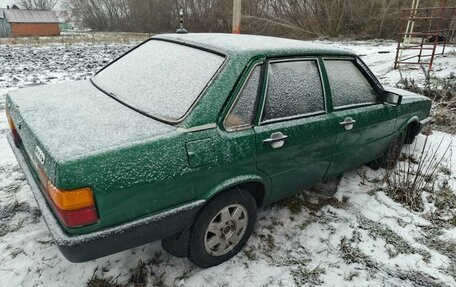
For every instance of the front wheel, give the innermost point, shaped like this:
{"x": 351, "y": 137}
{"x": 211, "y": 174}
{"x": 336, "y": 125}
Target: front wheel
{"x": 390, "y": 158}
{"x": 222, "y": 228}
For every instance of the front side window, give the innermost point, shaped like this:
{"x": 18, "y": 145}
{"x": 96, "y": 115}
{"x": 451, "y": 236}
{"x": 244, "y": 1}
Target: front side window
{"x": 294, "y": 88}
{"x": 161, "y": 79}
{"x": 348, "y": 85}
{"x": 242, "y": 113}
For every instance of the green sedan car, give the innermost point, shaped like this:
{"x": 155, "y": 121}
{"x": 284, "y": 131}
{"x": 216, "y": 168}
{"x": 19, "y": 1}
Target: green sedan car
{"x": 185, "y": 136}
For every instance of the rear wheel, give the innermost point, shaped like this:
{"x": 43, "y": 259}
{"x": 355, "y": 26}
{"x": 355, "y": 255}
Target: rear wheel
{"x": 222, "y": 228}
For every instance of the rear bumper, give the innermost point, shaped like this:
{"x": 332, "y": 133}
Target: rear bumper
{"x": 81, "y": 248}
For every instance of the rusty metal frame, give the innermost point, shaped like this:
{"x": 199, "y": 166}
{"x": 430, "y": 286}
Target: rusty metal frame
{"x": 438, "y": 20}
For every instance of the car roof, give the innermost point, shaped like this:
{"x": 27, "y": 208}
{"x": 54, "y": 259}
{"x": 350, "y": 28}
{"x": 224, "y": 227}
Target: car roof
{"x": 253, "y": 45}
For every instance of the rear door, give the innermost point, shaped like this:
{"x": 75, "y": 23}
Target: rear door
{"x": 294, "y": 137}
{"x": 366, "y": 124}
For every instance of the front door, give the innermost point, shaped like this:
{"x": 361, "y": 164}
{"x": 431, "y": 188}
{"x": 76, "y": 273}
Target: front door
{"x": 366, "y": 124}
{"x": 294, "y": 137}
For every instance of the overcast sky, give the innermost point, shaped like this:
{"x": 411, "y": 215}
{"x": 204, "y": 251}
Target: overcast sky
{"x": 3, "y": 3}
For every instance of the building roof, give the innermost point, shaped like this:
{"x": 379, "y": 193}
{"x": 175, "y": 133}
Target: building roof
{"x": 253, "y": 45}
{"x": 30, "y": 16}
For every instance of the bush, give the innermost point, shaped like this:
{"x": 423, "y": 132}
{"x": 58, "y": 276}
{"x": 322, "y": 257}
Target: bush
{"x": 443, "y": 94}
{"x": 409, "y": 178}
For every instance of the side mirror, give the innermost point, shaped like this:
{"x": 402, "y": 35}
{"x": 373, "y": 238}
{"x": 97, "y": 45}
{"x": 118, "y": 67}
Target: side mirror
{"x": 393, "y": 99}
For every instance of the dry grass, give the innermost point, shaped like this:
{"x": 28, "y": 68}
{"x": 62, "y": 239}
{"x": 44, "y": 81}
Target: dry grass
{"x": 310, "y": 201}
{"x": 445, "y": 119}
{"x": 443, "y": 213}
{"x": 82, "y": 37}
{"x": 96, "y": 281}
{"x": 406, "y": 182}
{"x": 352, "y": 254}
{"x": 7, "y": 212}
{"x": 139, "y": 276}
{"x": 443, "y": 94}
{"x": 394, "y": 243}
{"x": 303, "y": 275}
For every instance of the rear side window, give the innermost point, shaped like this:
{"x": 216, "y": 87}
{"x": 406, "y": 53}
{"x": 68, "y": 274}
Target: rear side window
{"x": 294, "y": 88}
{"x": 242, "y": 113}
{"x": 348, "y": 85}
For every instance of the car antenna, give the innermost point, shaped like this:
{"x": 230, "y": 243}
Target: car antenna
{"x": 181, "y": 29}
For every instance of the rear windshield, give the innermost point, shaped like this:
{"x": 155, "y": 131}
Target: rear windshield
{"x": 160, "y": 78}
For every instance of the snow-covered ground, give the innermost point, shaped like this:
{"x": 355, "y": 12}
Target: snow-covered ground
{"x": 361, "y": 237}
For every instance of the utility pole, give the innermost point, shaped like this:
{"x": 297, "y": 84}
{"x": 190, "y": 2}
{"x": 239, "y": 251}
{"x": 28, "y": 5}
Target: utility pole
{"x": 237, "y": 12}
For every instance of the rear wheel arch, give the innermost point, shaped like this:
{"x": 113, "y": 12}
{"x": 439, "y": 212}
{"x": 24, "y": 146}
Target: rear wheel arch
{"x": 255, "y": 185}
{"x": 256, "y": 189}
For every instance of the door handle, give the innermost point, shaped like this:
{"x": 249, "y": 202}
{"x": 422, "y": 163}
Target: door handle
{"x": 277, "y": 140}
{"x": 348, "y": 123}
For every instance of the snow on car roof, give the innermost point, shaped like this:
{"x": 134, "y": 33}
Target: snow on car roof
{"x": 253, "y": 44}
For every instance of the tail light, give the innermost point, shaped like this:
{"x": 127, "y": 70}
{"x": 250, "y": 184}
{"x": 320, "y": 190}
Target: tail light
{"x": 16, "y": 137}
{"x": 74, "y": 207}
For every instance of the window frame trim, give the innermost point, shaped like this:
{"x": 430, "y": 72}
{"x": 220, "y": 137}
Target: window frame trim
{"x": 265, "y": 90}
{"x": 238, "y": 94}
{"x": 366, "y": 75}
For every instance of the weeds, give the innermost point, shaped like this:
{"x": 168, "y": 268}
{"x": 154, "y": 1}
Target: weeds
{"x": 352, "y": 254}
{"x": 419, "y": 279}
{"x": 395, "y": 244}
{"x": 407, "y": 180}
{"x": 294, "y": 204}
{"x": 7, "y": 212}
{"x": 444, "y": 211}
{"x": 351, "y": 275}
{"x": 432, "y": 238}
{"x": 139, "y": 276}
{"x": 250, "y": 254}
{"x": 270, "y": 243}
{"x": 96, "y": 281}
{"x": 302, "y": 275}
{"x": 312, "y": 202}
{"x": 443, "y": 94}
{"x": 437, "y": 89}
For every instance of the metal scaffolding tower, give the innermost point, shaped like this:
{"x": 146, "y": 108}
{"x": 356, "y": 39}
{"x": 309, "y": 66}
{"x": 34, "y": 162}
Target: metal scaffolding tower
{"x": 427, "y": 32}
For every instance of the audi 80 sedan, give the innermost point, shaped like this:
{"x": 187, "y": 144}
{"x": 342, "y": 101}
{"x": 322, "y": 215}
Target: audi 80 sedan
{"x": 185, "y": 136}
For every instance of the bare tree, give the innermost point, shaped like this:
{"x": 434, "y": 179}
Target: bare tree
{"x": 286, "y": 18}
{"x": 37, "y": 4}
{"x": 102, "y": 15}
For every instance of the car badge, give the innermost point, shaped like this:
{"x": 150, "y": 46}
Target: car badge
{"x": 39, "y": 154}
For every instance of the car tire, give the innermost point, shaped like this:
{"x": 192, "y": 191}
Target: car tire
{"x": 222, "y": 228}
{"x": 390, "y": 158}
{"x": 411, "y": 133}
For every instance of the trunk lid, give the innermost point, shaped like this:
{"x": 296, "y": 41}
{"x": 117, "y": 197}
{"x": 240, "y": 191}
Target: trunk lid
{"x": 67, "y": 121}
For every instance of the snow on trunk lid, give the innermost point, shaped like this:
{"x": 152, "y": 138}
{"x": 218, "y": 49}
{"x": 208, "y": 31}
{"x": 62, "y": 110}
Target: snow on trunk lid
{"x": 74, "y": 119}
